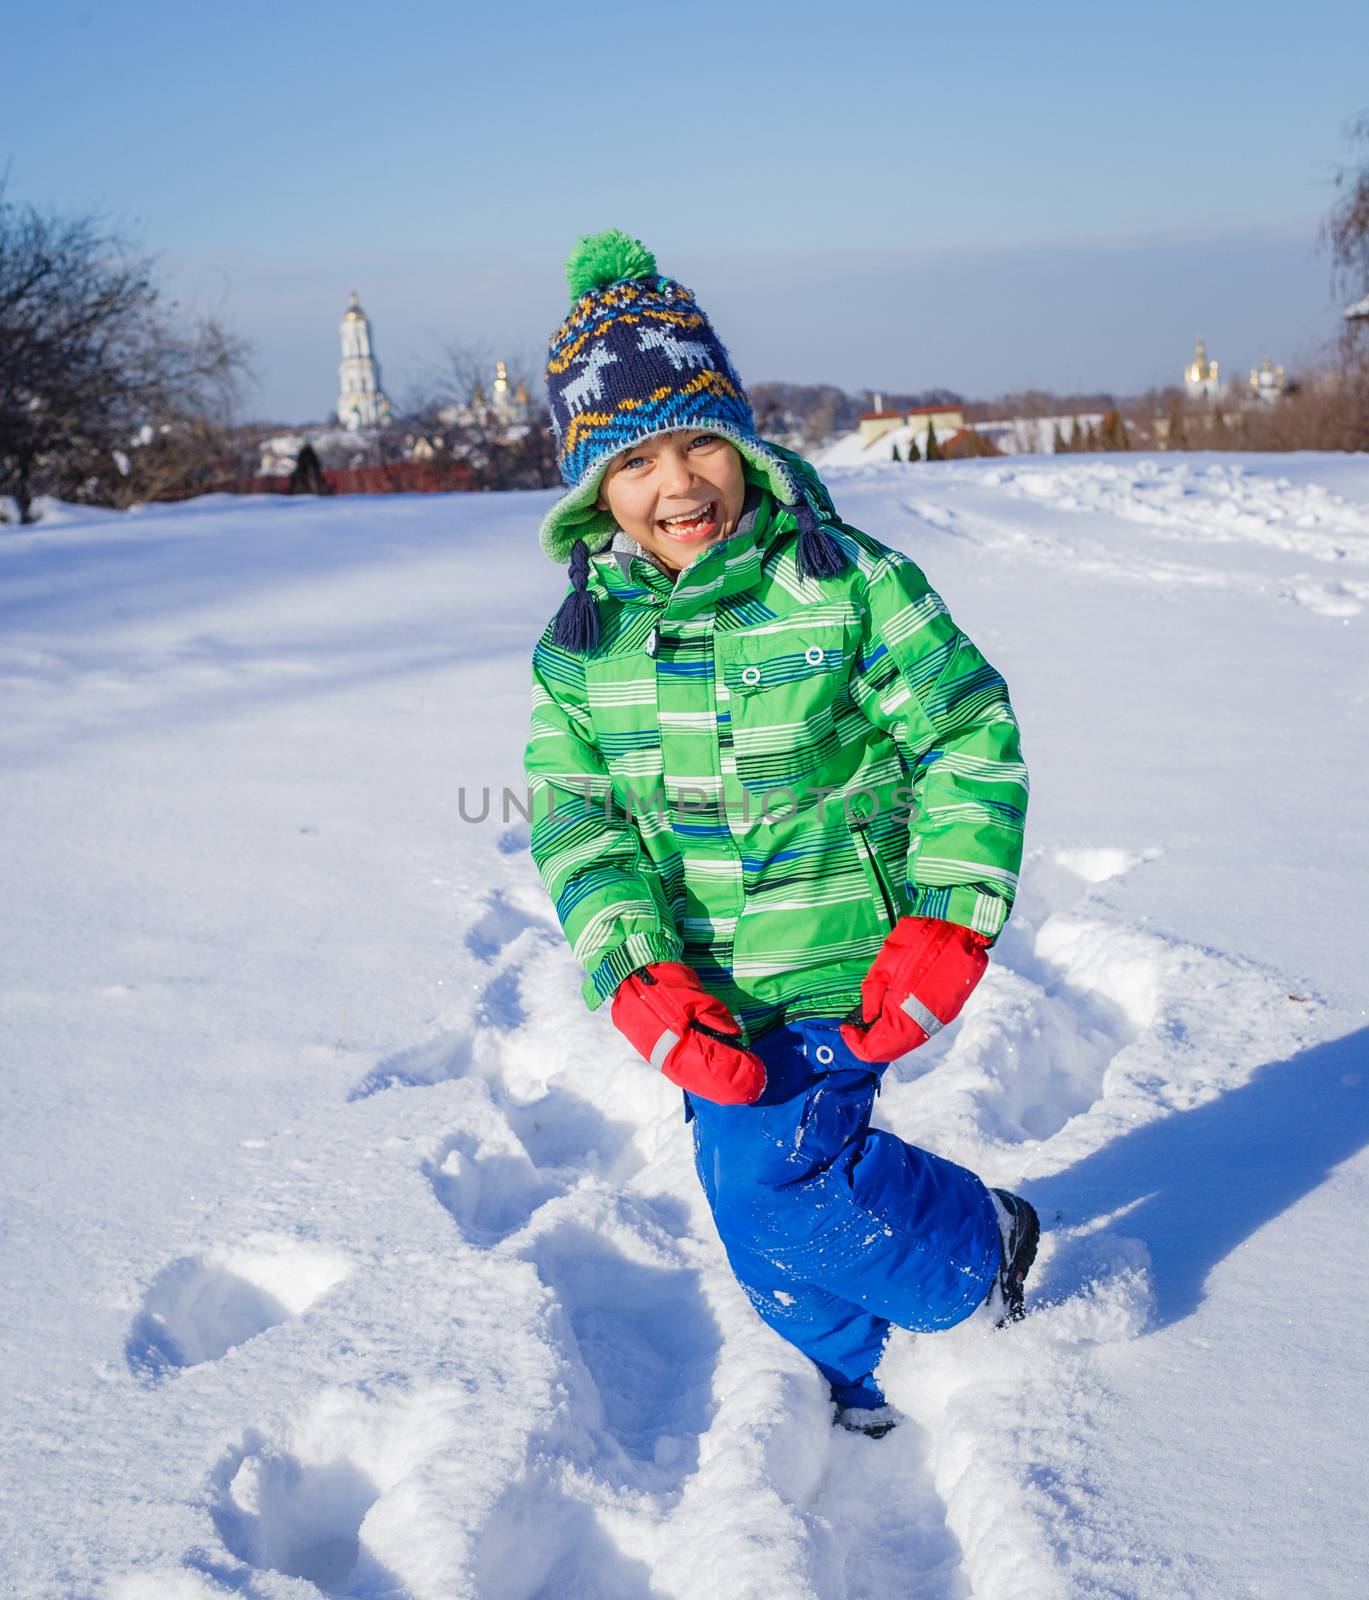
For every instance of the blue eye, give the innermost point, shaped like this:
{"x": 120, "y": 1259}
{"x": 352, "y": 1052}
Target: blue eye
{"x": 704, "y": 438}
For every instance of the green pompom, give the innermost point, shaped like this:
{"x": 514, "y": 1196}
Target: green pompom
{"x": 601, "y": 258}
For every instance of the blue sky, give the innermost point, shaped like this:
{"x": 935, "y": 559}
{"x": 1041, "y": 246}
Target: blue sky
{"x": 887, "y": 195}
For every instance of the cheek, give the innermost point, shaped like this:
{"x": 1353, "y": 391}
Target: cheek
{"x": 621, "y": 503}
{"x": 634, "y": 511}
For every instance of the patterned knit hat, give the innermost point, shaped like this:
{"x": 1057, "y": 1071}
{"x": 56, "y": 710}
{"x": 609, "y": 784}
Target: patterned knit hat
{"x": 636, "y": 357}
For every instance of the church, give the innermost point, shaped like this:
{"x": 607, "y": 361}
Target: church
{"x": 1200, "y": 375}
{"x": 362, "y": 403}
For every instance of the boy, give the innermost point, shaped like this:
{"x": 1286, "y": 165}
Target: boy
{"x": 727, "y": 640}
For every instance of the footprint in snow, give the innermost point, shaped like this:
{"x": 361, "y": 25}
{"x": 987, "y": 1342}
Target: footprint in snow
{"x": 199, "y": 1308}
{"x": 539, "y": 1542}
{"x": 498, "y": 1008}
{"x": 513, "y": 841}
{"x": 506, "y": 914}
{"x": 282, "y": 1512}
{"x": 489, "y": 1186}
{"x": 1067, "y": 992}
{"x": 500, "y": 1005}
{"x": 649, "y": 1344}
{"x": 446, "y": 1055}
{"x": 564, "y": 1133}
{"x": 494, "y": 1179}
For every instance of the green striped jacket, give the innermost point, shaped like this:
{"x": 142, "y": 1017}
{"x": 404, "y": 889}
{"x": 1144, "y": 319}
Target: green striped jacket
{"x": 758, "y": 773}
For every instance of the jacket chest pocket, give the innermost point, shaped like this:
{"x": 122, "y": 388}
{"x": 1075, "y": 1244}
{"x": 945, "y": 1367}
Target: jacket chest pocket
{"x": 781, "y": 691}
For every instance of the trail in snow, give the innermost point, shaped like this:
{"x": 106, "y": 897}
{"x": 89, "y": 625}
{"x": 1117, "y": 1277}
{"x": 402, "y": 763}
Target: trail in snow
{"x": 357, "y": 1259}
{"x": 678, "y": 1447}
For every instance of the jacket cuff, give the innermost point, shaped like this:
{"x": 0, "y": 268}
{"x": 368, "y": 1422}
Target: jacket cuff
{"x": 637, "y": 950}
{"x": 962, "y": 903}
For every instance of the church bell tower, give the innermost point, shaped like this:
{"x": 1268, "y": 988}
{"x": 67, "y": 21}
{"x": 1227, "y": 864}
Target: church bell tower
{"x": 362, "y": 403}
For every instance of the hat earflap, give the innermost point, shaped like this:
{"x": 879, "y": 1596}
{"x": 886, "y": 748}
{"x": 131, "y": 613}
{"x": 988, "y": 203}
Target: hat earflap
{"x": 576, "y": 626}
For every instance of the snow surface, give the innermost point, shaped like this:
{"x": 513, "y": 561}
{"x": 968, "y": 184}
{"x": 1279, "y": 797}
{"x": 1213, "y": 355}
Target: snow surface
{"x": 344, "y": 1252}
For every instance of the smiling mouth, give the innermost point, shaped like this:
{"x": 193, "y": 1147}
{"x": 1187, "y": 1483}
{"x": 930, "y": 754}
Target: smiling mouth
{"x": 691, "y": 524}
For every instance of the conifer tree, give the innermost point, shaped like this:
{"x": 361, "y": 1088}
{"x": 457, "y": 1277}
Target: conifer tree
{"x": 1077, "y": 440}
{"x": 1113, "y": 434}
{"x": 914, "y": 454}
{"x": 1058, "y": 445}
{"x": 1091, "y": 438}
{"x": 897, "y": 457}
{"x": 932, "y": 450}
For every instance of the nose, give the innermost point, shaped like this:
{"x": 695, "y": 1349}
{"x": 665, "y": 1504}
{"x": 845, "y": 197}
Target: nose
{"x": 677, "y": 473}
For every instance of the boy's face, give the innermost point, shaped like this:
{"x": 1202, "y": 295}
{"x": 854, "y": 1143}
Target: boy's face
{"x": 676, "y": 494}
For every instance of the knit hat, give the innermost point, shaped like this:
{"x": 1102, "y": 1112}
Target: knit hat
{"x": 636, "y": 357}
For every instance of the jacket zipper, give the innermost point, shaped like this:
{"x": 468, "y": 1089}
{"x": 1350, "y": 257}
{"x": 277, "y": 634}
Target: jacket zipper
{"x": 858, "y": 830}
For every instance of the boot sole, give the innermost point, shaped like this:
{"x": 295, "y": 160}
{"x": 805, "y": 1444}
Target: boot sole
{"x": 872, "y": 1430}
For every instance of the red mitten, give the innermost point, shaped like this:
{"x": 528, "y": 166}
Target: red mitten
{"x": 921, "y": 977}
{"x": 682, "y": 1029}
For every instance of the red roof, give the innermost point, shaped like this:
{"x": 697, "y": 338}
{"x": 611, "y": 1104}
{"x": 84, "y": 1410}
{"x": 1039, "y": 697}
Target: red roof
{"x": 928, "y": 411}
{"x": 870, "y": 416}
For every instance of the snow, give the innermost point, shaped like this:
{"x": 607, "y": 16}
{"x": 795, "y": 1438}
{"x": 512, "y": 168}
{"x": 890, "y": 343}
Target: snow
{"x": 345, "y": 1253}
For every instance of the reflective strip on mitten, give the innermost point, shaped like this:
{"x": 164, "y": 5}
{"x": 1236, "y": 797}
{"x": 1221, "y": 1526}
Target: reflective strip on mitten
{"x": 687, "y": 1034}
{"x": 922, "y": 976}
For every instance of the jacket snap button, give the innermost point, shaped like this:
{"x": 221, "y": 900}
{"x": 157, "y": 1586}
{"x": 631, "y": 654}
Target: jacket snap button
{"x": 813, "y": 655}
{"x": 751, "y": 674}
{"x": 824, "y": 1053}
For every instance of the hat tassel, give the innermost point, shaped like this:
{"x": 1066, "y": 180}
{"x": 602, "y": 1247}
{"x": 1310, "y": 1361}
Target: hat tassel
{"x": 576, "y": 626}
{"x": 818, "y": 554}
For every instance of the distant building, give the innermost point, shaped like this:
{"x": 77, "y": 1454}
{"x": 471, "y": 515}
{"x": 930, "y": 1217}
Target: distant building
{"x": 1267, "y": 382}
{"x": 1200, "y": 375}
{"x": 876, "y": 424}
{"x": 279, "y": 454}
{"x": 362, "y": 403}
{"x": 942, "y": 418}
{"x": 510, "y": 404}
{"x": 1037, "y": 436}
{"x": 506, "y": 406}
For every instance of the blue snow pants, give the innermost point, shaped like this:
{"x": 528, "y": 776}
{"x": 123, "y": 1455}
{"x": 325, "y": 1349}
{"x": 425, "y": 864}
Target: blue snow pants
{"x": 837, "y": 1230}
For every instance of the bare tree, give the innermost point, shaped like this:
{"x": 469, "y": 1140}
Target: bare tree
{"x": 1334, "y": 404}
{"x": 102, "y": 397}
{"x": 820, "y": 421}
{"x": 1345, "y": 229}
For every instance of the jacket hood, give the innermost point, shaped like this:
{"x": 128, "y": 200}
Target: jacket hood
{"x": 785, "y": 473}
{"x": 729, "y": 567}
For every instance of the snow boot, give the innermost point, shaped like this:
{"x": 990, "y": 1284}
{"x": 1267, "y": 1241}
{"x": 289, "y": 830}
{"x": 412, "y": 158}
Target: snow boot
{"x": 874, "y": 1422}
{"x": 1019, "y": 1229}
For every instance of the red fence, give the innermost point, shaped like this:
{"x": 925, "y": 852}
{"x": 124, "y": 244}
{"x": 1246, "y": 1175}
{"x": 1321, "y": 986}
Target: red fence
{"x": 396, "y": 477}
